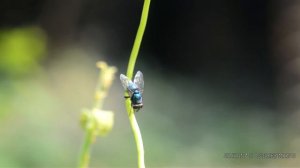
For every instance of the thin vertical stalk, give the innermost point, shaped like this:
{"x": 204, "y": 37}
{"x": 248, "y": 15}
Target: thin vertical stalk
{"x": 138, "y": 39}
{"x": 85, "y": 151}
{"x": 97, "y": 121}
{"x": 133, "y": 56}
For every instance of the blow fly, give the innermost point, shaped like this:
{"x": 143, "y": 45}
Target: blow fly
{"x": 135, "y": 89}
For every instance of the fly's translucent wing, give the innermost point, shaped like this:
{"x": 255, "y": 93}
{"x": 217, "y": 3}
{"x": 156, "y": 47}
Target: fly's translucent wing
{"x": 139, "y": 81}
{"x": 127, "y": 84}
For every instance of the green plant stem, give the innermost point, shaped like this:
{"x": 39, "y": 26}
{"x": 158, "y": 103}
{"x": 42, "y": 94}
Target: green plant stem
{"x": 138, "y": 39}
{"x": 85, "y": 151}
{"x": 137, "y": 135}
{"x": 90, "y": 135}
{"x": 97, "y": 121}
{"x": 138, "y": 140}
{"x": 133, "y": 56}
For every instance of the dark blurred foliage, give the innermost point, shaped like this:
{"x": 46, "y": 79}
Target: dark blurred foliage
{"x": 218, "y": 41}
{"x": 187, "y": 36}
{"x": 222, "y": 42}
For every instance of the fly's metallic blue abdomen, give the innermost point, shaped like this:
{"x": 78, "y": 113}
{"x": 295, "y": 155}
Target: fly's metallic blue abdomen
{"x": 136, "y": 98}
{"x": 135, "y": 89}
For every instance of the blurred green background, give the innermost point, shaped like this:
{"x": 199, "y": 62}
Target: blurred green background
{"x": 220, "y": 77}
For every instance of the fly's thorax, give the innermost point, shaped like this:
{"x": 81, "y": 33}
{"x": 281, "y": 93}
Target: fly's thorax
{"x": 132, "y": 86}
